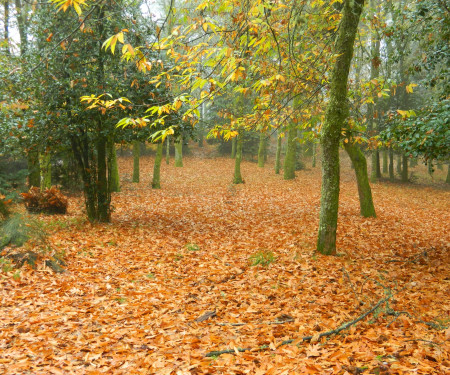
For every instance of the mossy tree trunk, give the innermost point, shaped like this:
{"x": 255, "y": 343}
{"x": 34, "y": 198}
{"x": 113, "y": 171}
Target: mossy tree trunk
{"x": 391, "y": 164}
{"x": 405, "y": 168}
{"x": 34, "y": 172}
{"x": 233, "y": 147}
{"x": 385, "y": 161}
{"x": 156, "y": 181}
{"x": 278, "y": 154}
{"x": 136, "y": 157}
{"x": 290, "y": 157}
{"x": 114, "y": 179}
{"x": 261, "y": 149}
{"x": 359, "y": 162}
{"x": 237, "y": 178}
{"x": 335, "y": 117}
{"x": 46, "y": 171}
{"x": 179, "y": 152}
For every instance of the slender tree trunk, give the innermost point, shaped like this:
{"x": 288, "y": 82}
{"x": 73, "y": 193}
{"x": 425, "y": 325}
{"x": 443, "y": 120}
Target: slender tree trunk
{"x": 46, "y": 171}
{"x": 314, "y": 155}
{"x": 290, "y": 157}
{"x": 103, "y": 196}
{"x": 358, "y": 159}
{"x": 114, "y": 179}
{"x": 233, "y": 147}
{"x": 447, "y": 180}
{"x": 167, "y": 150}
{"x": 6, "y": 27}
{"x": 237, "y": 178}
{"x": 136, "y": 157}
{"x": 156, "y": 182}
{"x": 405, "y": 168}
{"x": 336, "y": 115}
{"x": 34, "y": 173}
{"x": 385, "y": 161}
{"x": 391, "y": 164}
{"x": 278, "y": 155}
{"x": 179, "y": 152}
{"x": 399, "y": 164}
{"x": 261, "y": 150}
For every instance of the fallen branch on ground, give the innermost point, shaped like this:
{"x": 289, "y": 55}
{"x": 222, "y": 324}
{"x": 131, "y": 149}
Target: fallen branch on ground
{"x": 217, "y": 353}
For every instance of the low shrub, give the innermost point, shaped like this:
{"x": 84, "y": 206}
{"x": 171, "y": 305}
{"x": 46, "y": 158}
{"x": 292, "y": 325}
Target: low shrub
{"x": 50, "y": 201}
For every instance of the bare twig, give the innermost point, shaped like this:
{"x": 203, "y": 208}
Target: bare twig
{"x": 343, "y": 327}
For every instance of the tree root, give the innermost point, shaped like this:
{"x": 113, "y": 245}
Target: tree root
{"x": 217, "y": 353}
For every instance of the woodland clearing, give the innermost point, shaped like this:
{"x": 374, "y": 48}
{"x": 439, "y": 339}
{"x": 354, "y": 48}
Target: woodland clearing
{"x": 203, "y": 265}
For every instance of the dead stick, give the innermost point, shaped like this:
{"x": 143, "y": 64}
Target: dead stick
{"x": 216, "y": 353}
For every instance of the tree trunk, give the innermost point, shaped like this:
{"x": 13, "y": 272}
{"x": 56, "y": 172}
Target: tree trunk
{"x": 405, "y": 168}
{"x": 179, "y": 152}
{"x": 399, "y": 164}
{"x": 237, "y": 179}
{"x": 167, "y": 150}
{"x": 314, "y": 155}
{"x": 34, "y": 173}
{"x": 156, "y": 182}
{"x": 233, "y": 148}
{"x": 447, "y": 180}
{"x": 290, "y": 157}
{"x": 358, "y": 159}
{"x": 114, "y": 179}
{"x": 261, "y": 150}
{"x": 46, "y": 171}
{"x": 6, "y": 27}
{"x": 103, "y": 196}
{"x": 385, "y": 161}
{"x": 278, "y": 155}
{"x": 136, "y": 156}
{"x": 391, "y": 164}
{"x": 335, "y": 117}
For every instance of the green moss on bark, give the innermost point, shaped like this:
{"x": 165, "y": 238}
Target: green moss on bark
{"x": 335, "y": 117}
{"x": 367, "y": 209}
{"x": 156, "y": 181}
{"x": 179, "y": 152}
{"x": 114, "y": 180}
{"x": 290, "y": 158}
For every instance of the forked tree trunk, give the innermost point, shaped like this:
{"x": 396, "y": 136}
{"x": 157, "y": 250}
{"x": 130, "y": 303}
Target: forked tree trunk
{"x": 156, "y": 182}
{"x": 290, "y": 157}
{"x": 136, "y": 156}
{"x": 358, "y": 159}
{"x": 335, "y": 117}
{"x": 237, "y": 178}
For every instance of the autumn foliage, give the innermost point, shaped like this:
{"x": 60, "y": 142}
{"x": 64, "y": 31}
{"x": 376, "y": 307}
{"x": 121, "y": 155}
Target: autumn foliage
{"x": 49, "y": 201}
{"x": 203, "y": 265}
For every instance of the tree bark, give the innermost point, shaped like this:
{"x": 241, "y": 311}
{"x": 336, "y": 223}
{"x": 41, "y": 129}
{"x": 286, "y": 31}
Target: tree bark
{"x": 167, "y": 150}
{"x": 237, "y": 178}
{"x": 34, "y": 172}
{"x": 45, "y": 171}
{"x": 179, "y": 152}
{"x": 405, "y": 168}
{"x": 278, "y": 155}
{"x": 447, "y": 180}
{"x": 290, "y": 157}
{"x": 391, "y": 164}
{"x": 358, "y": 159}
{"x": 103, "y": 196}
{"x": 335, "y": 117}
{"x": 233, "y": 147}
{"x": 114, "y": 179}
{"x": 261, "y": 147}
{"x": 156, "y": 182}
{"x": 136, "y": 156}
{"x": 385, "y": 161}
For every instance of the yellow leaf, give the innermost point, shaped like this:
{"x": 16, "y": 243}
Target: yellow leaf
{"x": 205, "y": 27}
{"x": 120, "y": 37}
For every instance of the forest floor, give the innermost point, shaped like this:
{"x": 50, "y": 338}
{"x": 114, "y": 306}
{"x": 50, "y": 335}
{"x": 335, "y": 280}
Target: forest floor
{"x": 174, "y": 277}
